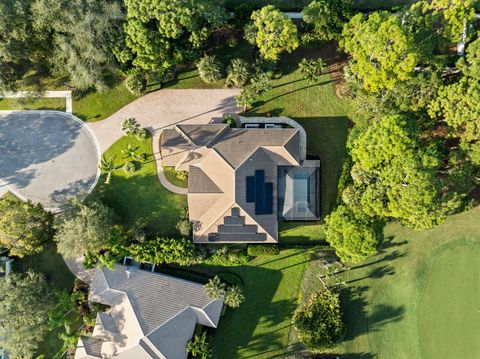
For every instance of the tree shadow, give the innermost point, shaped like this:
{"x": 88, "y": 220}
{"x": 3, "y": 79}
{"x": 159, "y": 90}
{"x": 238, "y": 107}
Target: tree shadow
{"x": 359, "y": 320}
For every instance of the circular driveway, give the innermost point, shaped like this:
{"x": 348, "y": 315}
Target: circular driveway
{"x": 46, "y": 156}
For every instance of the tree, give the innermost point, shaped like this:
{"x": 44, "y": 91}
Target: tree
{"x": 24, "y": 227}
{"x": 327, "y": 17}
{"x": 319, "y": 324}
{"x": 312, "y": 69}
{"x": 383, "y": 51}
{"x": 209, "y": 69}
{"x": 234, "y": 296}
{"x": 107, "y": 165}
{"x": 446, "y": 19}
{"x": 21, "y": 48}
{"x": 84, "y": 227}
{"x": 275, "y": 32}
{"x": 25, "y": 301}
{"x": 83, "y": 34}
{"x": 215, "y": 288}
{"x": 136, "y": 82}
{"x": 395, "y": 174}
{"x": 165, "y": 33}
{"x": 199, "y": 347}
{"x": 354, "y": 237}
{"x": 165, "y": 250}
{"x": 246, "y": 98}
{"x": 238, "y": 72}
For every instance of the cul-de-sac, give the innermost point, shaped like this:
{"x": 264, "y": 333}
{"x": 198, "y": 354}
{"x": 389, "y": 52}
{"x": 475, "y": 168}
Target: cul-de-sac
{"x": 240, "y": 179}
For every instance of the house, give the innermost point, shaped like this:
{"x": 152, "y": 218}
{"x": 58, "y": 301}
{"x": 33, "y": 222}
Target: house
{"x": 242, "y": 181}
{"x": 151, "y": 315}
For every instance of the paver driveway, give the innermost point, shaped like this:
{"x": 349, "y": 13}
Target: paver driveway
{"x": 46, "y": 155}
{"x": 163, "y": 109}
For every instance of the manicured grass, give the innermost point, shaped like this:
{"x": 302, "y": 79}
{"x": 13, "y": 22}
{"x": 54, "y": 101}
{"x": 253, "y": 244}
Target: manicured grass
{"x": 39, "y": 104}
{"x": 260, "y": 328}
{"x": 171, "y": 175}
{"x": 96, "y": 106}
{"x": 139, "y": 196}
{"x": 419, "y": 296}
{"x": 304, "y": 233}
{"x": 58, "y": 276}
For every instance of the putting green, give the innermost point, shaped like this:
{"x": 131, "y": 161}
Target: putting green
{"x": 449, "y": 311}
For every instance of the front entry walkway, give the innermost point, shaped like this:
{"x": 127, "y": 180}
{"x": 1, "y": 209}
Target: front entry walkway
{"x": 163, "y": 109}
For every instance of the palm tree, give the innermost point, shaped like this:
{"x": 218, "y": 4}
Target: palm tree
{"x": 215, "y": 288}
{"x": 130, "y": 151}
{"x": 234, "y": 296}
{"x": 107, "y": 166}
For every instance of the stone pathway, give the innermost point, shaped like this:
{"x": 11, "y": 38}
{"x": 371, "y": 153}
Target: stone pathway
{"x": 164, "y": 109}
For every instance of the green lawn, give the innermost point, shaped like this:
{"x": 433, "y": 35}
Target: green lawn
{"x": 301, "y": 233}
{"x": 171, "y": 175}
{"x": 260, "y": 328}
{"x": 419, "y": 296}
{"x": 57, "y": 274}
{"x": 140, "y": 196}
{"x": 39, "y": 104}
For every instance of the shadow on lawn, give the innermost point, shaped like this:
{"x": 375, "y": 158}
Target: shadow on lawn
{"x": 258, "y": 312}
{"x": 358, "y": 320}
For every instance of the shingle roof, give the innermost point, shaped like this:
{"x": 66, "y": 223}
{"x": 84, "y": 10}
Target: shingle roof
{"x": 200, "y": 135}
{"x": 199, "y": 182}
{"x": 151, "y": 301}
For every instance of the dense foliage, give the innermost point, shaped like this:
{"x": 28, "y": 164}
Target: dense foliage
{"x": 319, "y": 324}
{"x": 274, "y": 32}
{"x": 164, "y": 250}
{"x": 24, "y": 227}
{"x": 84, "y": 227}
{"x": 165, "y": 33}
{"x": 383, "y": 50}
{"x": 209, "y": 69}
{"x": 199, "y": 347}
{"x": 354, "y": 236}
{"x": 327, "y": 17}
{"x": 25, "y": 301}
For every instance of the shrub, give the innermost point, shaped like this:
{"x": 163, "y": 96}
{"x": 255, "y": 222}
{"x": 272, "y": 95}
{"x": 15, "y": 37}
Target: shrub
{"x": 232, "y": 41}
{"x": 165, "y": 250}
{"x": 234, "y": 296}
{"x": 319, "y": 324}
{"x": 129, "y": 167}
{"x": 228, "y": 256}
{"x": 131, "y": 127}
{"x": 199, "y": 347}
{"x": 229, "y": 120}
{"x": 182, "y": 175}
{"x": 184, "y": 227}
{"x": 230, "y": 279}
{"x": 162, "y": 76}
{"x": 141, "y": 134}
{"x": 209, "y": 69}
{"x": 136, "y": 82}
{"x": 238, "y": 73}
{"x": 312, "y": 70}
{"x": 256, "y": 250}
{"x": 215, "y": 288}
{"x": 260, "y": 82}
{"x": 246, "y": 98}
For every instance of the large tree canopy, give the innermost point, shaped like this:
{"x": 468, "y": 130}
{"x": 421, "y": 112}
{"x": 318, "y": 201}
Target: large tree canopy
{"x": 383, "y": 51}
{"x": 353, "y": 235}
{"x": 164, "y": 33}
{"x": 327, "y": 17}
{"x": 274, "y": 32}
{"x": 83, "y": 34}
{"x": 447, "y": 18}
{"x": 395, "y": 175}
{"x": 84, "y": 228}
{"x": 24, "y": 227}
{"x": 25, "y": 301}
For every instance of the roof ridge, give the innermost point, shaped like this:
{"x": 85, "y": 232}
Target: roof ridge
{"x": 217, "y": 135}
{"x": 184, "y": 135}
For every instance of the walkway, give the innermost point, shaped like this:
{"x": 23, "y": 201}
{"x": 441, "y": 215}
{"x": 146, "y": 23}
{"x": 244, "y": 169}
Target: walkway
{"x": 164, "y": 109}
